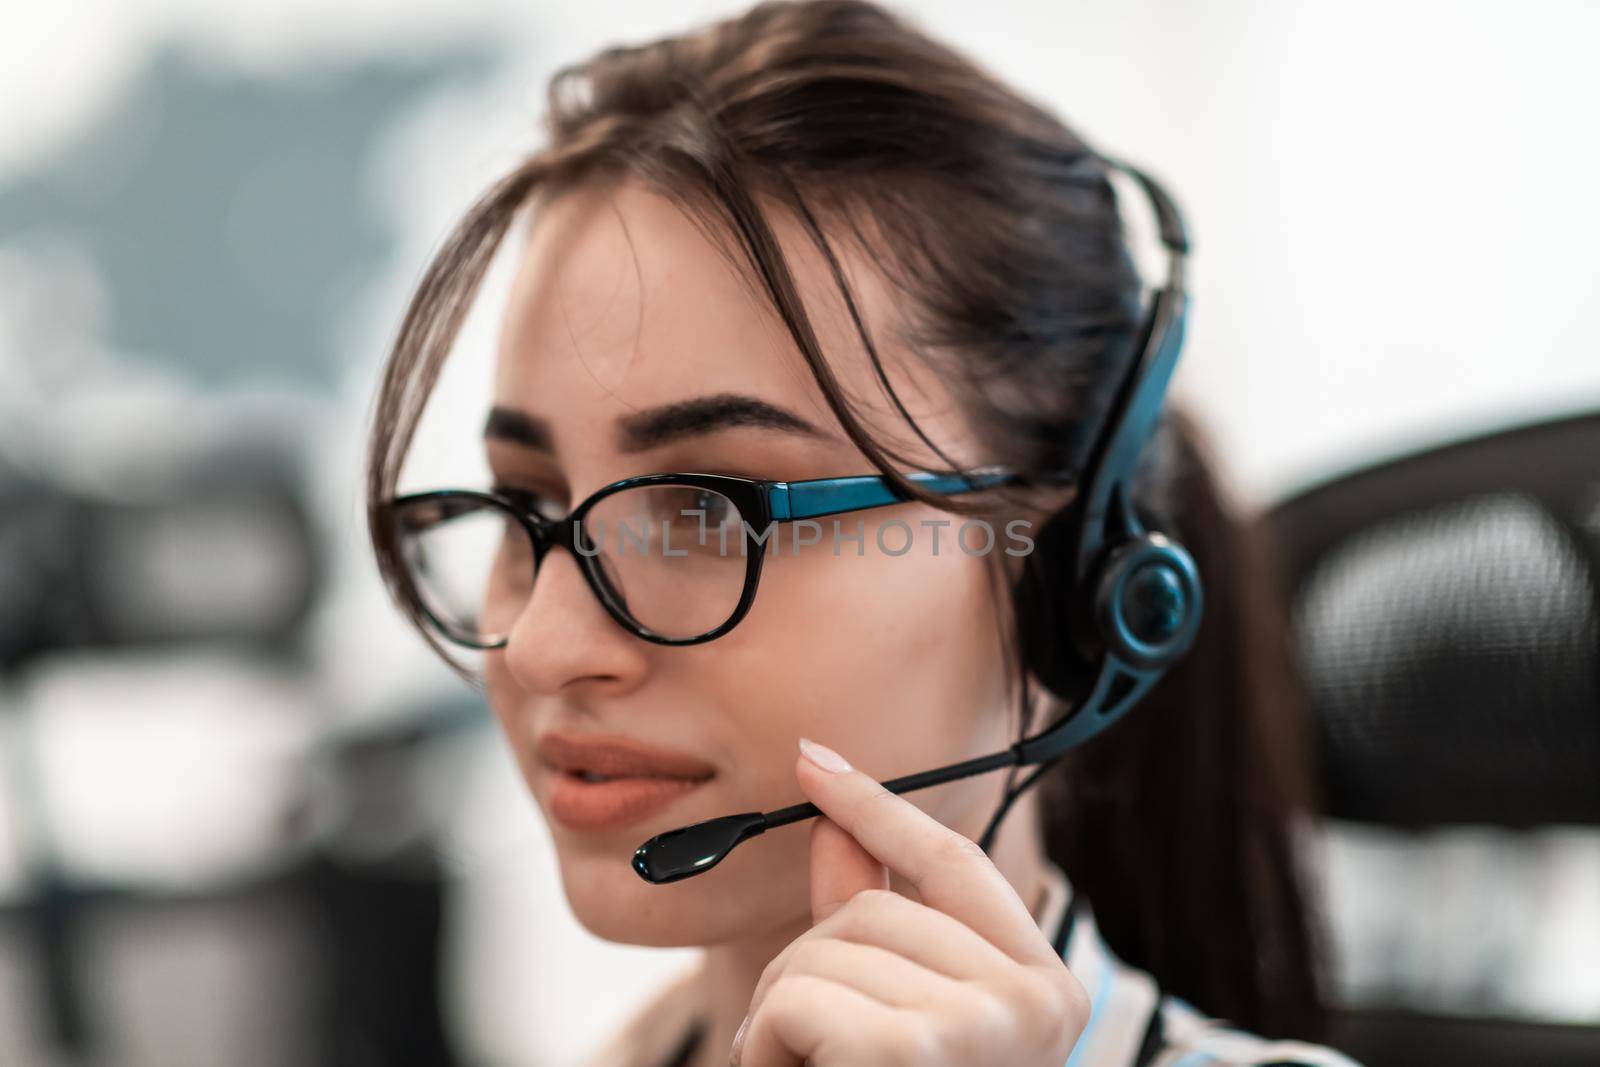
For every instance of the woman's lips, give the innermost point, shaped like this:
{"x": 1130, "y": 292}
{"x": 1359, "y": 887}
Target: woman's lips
{"x": 604, "y": 783}
{"x": 613, "y": 804}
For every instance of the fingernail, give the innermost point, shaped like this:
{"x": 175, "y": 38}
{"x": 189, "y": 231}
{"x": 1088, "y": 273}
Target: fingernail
{"x": 736, "y": 1050}
{"x": 823, "y": 756}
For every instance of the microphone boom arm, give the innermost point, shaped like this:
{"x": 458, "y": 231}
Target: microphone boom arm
{"x": 691, "y": 850}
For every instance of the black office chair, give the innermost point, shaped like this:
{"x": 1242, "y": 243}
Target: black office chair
{"x": 1446, "y": 614}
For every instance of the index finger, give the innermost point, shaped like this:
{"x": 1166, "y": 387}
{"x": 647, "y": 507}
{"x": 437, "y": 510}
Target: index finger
{"x": 951, "y": 873}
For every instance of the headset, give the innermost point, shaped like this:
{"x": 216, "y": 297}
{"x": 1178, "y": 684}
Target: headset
{"x": 1106, "y": 606}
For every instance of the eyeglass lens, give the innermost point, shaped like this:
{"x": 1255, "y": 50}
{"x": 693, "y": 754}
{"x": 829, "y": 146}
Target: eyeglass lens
{"x": 673, "y": 559}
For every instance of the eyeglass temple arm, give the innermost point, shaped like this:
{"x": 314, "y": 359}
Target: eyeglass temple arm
{"x": 830, "y": 496}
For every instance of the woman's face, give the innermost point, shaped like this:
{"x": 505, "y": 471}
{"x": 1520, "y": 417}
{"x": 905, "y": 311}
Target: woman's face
{"x": 621, "y": 306}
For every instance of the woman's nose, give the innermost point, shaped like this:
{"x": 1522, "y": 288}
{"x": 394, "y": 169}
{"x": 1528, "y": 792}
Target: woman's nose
{"x": 564, "y": 635}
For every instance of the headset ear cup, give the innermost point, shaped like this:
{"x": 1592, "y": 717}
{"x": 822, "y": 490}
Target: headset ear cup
{"x": 1148, "y": 601}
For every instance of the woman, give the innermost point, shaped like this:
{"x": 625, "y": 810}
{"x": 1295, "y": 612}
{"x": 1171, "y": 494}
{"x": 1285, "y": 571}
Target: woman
{"x": 810, "y": 243}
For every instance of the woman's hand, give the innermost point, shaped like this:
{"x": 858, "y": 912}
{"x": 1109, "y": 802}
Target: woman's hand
{"x": 963, "y": 979}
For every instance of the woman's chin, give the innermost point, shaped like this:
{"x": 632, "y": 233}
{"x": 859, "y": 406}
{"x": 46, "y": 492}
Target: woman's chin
{"x": 613, "y": 903}
{"x": 739, "y": 898}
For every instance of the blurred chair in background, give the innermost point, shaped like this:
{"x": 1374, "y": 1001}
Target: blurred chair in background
{"x": 221, "y": 554}
{"x": 204, "y": 866}
{"x": 1446, "y": 611}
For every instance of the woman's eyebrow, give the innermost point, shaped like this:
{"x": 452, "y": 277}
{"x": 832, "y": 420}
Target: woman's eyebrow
{"x": 519, "y": 428}
{"x": 657, "y": 426}
{"x": 662, "y": 424}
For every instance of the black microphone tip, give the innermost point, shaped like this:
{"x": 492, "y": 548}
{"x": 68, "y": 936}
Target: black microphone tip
{"x": 683, "y": 853}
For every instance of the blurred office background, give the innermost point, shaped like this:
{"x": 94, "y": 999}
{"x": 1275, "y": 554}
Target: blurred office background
{"x": 245, "y": 818}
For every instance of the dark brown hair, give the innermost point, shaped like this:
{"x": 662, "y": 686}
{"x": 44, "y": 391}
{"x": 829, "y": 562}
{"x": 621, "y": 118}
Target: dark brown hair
{"x": 1000, "y": 230}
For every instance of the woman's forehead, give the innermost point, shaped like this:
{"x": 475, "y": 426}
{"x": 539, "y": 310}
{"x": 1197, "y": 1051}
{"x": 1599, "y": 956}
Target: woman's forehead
{"x": 622, "y": 301}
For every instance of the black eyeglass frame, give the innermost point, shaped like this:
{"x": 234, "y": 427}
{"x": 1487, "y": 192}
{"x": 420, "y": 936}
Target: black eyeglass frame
{"x": 760, "y": 503}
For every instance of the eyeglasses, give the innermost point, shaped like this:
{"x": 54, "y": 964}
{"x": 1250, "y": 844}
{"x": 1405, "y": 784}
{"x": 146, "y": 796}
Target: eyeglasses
{"x": 673, "y": 558}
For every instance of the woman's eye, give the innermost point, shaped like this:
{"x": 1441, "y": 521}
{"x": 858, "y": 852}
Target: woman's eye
{"x": 713, "y": 505}
{"x": 712, "y": 508}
